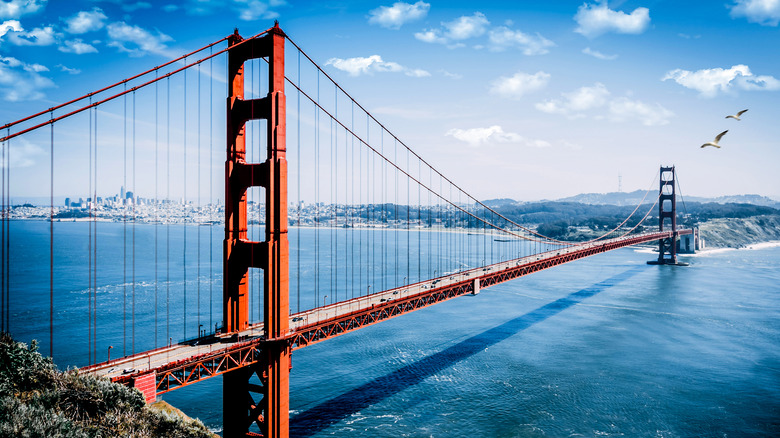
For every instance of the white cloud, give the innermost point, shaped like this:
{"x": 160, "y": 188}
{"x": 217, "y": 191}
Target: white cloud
{"x": 451, "y": 75}
{"x": 76, "y": 46}
{"x": 453, "y": 33}
{"x": 763, "y": 12}
{"x": 393, "y": 17}
{"x": 576, "y": 102}
{"x": 18, "y": 8}
{"x": 86, "y": 21}
{"x": 40, "y": 36}
{"x": 502, "y": 38}
{"x": 597, "y": 19}
{"x": 514, "y": 87}
{"x": 710, "y": 82}
{"x": 417, "y": 73}
{"x": 372, "y": 64}
{"x": 477, "y": 136}
{"x": 622, "y": 109}
{"x": 10, "y": 25}
{"x": 248, "y": 10}
{"x": 460, "y": 29}
{"x": 137, "y": 41}
{"x": 20, "y": 81}
{"x": 597, "y": 54}
{"x": 251, "y": 10}
{"x": 431, "y": 36}
{"x": 597, "y": 98}
{"x": 493, "y": 134}
{"x": 68, "y": 70}
{"x": 466, "y": 27}
{"x": 22, "y": 153}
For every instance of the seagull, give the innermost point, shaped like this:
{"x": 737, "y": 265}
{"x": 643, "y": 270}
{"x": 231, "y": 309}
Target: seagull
{"x": 717, "y": 139}
{"x": 737, "y": 116}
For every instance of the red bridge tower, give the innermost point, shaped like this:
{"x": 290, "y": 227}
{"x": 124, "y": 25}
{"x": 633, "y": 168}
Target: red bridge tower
{"x": 667, "y": 214}
{"x": 245, "y": 403}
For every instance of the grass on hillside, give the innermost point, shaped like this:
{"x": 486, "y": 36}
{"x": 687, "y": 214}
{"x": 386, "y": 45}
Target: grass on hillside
{"x": 37, "y": 400}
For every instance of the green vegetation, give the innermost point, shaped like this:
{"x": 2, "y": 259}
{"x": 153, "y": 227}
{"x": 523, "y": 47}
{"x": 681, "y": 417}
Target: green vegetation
{"x": 37, "y": 400}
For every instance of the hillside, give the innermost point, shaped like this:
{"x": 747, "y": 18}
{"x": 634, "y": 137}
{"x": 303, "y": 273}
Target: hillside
{"x": 37, "y": 400}
{"x": 633, "y": 198}
{"x": 738, "y": 232}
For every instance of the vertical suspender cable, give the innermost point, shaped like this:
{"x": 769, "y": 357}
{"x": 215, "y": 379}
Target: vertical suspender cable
{"x": 3, "y": 273}
{"x": 51, "y": 243}
{"x": 211, "y": 185}
{"x": 352, "y": 208}
{"x": 134, "y": 199}
{"x": 184, "y": 208}
{"x": 298, "y": 233}
{"x": 124, "y": 225}
{"x": 333, "y": 225}
{"x": 168, "y": 209}
{"x": 369, "y": 192}
{"x": 395, "y": 215}
{"x": 198, "y": 203}
{"x": 89, "y": 247}
{"x": 156, "y": 201}
{"x": 359, "y": 209}
{"x": 317, "y": 196}
{"x": 384, "y": 213}
{"x": 8, "y": 234}
{"x": 8, "y": 237}
{"x": 335, "y": 196}
{"x": 95, "y": 241}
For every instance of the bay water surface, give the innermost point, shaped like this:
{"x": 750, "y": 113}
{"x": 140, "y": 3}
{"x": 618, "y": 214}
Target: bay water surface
{"x": 604, "y": 346}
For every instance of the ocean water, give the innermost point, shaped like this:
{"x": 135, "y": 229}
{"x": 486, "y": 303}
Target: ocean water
{"x": 604, "y": 346}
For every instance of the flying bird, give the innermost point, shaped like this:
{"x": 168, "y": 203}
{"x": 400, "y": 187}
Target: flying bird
{"x": 717, "y": 139}
{"x": 736, "y": 117}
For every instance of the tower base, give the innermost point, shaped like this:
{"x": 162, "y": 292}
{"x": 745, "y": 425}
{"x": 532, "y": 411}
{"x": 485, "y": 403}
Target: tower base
{"x": 656, "y": 262}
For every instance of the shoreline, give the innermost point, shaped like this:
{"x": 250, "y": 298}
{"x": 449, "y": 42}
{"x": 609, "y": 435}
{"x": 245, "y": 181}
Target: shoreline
{"x": 748, "y": 247}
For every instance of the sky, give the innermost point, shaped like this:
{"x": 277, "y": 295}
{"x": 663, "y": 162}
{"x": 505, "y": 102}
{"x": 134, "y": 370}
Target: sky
{"x": 526, "y": 100}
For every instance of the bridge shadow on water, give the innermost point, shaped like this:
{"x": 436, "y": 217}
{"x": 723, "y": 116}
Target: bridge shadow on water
{"x": 320, "y": 417}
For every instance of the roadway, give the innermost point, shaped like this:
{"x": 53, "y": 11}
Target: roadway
{"x": 215, "y": 345}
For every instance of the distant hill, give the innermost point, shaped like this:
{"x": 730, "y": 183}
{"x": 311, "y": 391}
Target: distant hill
{"x": 501, "y": 202}
{"x": 633, "y": 198}
{"x": 613, "y": 198}
{"x": 739, "y": 199}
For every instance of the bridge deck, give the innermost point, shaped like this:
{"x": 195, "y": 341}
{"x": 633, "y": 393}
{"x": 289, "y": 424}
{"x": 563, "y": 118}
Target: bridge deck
{"x": 188, "y": 362}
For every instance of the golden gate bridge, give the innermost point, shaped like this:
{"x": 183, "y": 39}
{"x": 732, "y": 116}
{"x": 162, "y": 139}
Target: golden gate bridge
{"x": 391, "y": 234}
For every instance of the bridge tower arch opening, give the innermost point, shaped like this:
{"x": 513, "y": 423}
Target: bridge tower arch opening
{"x": 244, "y": 403}
{"x": 667, "y": 218}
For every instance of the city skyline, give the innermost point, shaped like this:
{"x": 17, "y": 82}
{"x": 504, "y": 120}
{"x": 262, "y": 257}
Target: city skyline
{"x": 548, "y": 100}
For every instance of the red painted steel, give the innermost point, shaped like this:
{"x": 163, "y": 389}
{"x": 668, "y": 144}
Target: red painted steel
{"x": 147, "y": 384}
{"x": 667, "y": 192}
{"x": 271, "y": 411}
{"x": 248, "y": 353}
{"x": 276, "y": 372}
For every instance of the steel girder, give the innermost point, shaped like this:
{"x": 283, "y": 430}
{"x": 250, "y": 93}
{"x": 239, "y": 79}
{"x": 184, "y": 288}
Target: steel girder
{"x": 185, "y": 372}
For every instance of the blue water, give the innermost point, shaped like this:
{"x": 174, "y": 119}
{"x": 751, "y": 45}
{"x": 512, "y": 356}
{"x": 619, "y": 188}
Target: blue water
{"x": 605, "y": 346}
